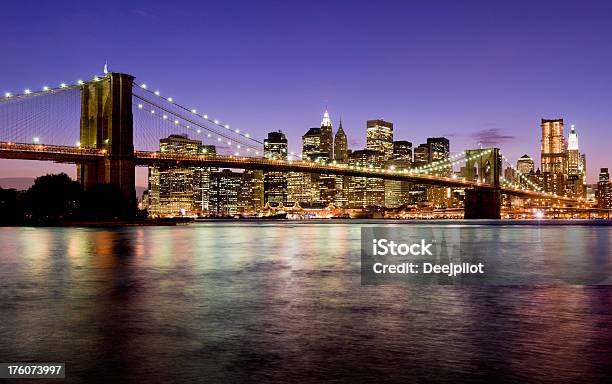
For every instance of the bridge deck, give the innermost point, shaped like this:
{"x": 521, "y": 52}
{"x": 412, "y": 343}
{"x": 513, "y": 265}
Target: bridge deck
{"x": 75, "y": 155}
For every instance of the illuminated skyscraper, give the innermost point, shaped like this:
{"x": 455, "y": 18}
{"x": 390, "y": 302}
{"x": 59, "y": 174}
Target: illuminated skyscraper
{"x": 525, "y": 165}
{"x": 224, "y": 188}
{"x": 362, "y": 191}
{"x": 576, "y": 166}
{"x": 379, "y": 137}
{"x": 553, "y": 156}
{"x": 421, "y": 155}
{"x": 604, "y": 190}
{"x": 250, "y": 194}
{"x": 340, "y": 146}
{"x": 573, "y": 152}
{"x": 327, "y": 139}
{"x": 275, "y": 183}
{"x": 312, "y": 147}
{"x": 439, "y": 150}
{"x": 175, "y": 191}
{"x": 397, "y": 193}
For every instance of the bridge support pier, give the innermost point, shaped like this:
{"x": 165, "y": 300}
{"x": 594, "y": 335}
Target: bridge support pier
{"x": 482, "y": 204}
{"x": 107, "y": 125}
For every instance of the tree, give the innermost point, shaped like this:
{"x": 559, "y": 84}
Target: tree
{"x": 53, "y": 197}
{"x": 11, "y": 206}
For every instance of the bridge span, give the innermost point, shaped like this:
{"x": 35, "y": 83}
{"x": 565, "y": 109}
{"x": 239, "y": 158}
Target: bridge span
{"x": 76, "y": 155}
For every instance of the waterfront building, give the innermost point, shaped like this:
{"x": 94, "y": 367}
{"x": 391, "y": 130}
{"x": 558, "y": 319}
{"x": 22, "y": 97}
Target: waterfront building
{"x": 362, "y": 191}
{"x": 418, "y": 192}
{"x": 224, "y": 187}
{"x": 251, "y": 192}
{"x": 275, "y": 183}
{"x": 179, "y": 191}
{"x": 604, "y": 190}
{"x": 302, "y": 187}
{"x": 397, "y": 193}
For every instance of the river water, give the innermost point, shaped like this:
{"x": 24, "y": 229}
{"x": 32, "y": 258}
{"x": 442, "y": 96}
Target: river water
{"x": 283, "y": 302}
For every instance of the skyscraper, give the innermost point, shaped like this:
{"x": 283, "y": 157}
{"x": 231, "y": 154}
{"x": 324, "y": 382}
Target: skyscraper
{"x": 379, "y": 137}
{"x": 251, "y": 192}
{"x": 573, "y": 152}
{"x": 402, "y": 150}
{"x": 340, "y": 145}
{"x": 312, "y": 148}
{"x": 327, "y": 140}
{"x": 418, "y": 192}
{"x": 362, "y": 191}
{"x": 553, "y": 156}
{"x": 275, "y": 183}
{"x": 421, "y": 155}
{"x": 397, "y": 193}
{"x": 224, "y": 188}
{"x": 175, "y": 191}
{"x": 439, "y": 149}
{"x": 604, "y": 190}
{"x": 576, "y": 172}
{"x": 525, "y": 164}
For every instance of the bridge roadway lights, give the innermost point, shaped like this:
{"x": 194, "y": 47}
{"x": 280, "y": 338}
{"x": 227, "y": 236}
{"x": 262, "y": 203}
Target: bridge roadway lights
{"x": 482, "y": 204}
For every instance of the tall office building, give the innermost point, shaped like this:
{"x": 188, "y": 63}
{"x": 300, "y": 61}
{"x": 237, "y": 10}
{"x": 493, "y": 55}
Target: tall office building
{"x": 604, "y": 190}
{"x": 553, "y": 156}
{"x": 327, "y": 139}
{"x": 397, "y": 193}
{"x": 175, "y": 191}
{"x": 402, "y": 150}
{"x": 202, "y": 174}
{"x": 224, "y": 187}
{"x": 418, "y": 192}
{"x": 362, "y": 191}
{"x": 311, "y": 145}
{"x": 439, "y": 150}
{"x": 421, "y": 155}
{"x": 275, "y": 183}
{"x": 576, "y": 172}
{"x": 525, "y": 165}
{"x": 379, "y": 137}
{"x": 573, "y": 152}
{"x": 251, "y": 192}
{"x": 340, "y": 145}
{"x": 304, "y": 187}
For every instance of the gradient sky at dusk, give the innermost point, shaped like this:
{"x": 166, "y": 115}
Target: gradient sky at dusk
{"x": 469, "y": 70}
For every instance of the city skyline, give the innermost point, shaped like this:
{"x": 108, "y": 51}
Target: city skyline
{"x": 408, "y": 73}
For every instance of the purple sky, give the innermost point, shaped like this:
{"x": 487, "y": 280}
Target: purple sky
{"x": 463, "y": 69}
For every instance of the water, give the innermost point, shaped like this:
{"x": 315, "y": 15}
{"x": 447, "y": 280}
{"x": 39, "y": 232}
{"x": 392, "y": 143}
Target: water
{"x": 282, "y": 302}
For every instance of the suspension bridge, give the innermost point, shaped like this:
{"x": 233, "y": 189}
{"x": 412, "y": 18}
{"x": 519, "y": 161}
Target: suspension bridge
{"x": 109, "y": 125}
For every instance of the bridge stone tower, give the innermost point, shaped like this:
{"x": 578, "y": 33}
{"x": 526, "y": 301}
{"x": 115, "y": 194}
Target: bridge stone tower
{"x": 484, "y": 165}
{"x": 107, "y": 124}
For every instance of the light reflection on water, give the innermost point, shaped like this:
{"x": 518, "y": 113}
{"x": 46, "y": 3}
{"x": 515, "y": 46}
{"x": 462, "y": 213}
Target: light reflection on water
{"x": 283, "y": 302}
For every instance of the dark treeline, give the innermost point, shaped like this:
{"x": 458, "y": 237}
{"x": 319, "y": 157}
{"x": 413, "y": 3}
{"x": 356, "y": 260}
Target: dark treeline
{"x": 58, "y": 198}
